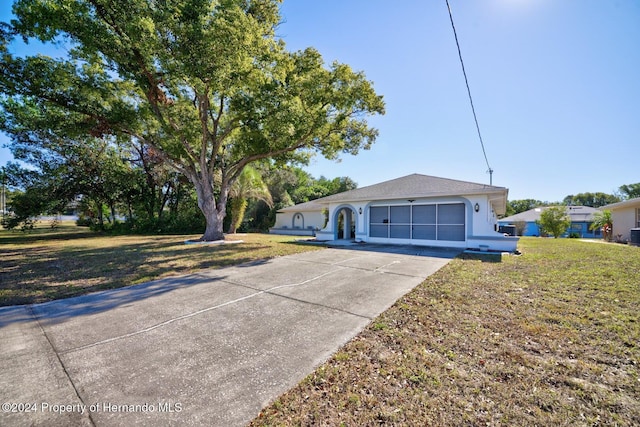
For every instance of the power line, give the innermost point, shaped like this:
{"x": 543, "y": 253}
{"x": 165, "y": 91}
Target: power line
{"x": 466, "y": 81}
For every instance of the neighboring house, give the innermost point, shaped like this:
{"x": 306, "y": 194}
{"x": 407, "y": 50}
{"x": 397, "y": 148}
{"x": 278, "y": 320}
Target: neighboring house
{"x": 303, "y": 219}
{"x": 415, "y": 209}
{"x": 625, "y": 216}
{"x": 581, "y": 220}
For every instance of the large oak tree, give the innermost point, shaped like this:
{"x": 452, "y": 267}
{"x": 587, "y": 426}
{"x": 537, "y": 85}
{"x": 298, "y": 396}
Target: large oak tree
{"x": 206, "y": 83}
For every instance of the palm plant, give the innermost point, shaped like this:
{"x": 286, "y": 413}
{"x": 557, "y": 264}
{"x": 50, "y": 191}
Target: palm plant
{"x": 249, "y": 185}
{"x": 603, "y": 219}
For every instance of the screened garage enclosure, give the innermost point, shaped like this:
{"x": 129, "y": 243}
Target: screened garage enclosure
{"x": 411, "y": 210}
{"x": 423, "y": 222}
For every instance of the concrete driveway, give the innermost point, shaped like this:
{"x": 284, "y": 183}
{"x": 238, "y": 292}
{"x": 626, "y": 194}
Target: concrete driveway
{"x": 211, "y": 348}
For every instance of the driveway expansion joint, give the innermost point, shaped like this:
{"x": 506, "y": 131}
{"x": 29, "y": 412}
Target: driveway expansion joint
{"x": 204, "y": 310}
{"x": 376, "y": 270}
{"x": 62, "y": 365}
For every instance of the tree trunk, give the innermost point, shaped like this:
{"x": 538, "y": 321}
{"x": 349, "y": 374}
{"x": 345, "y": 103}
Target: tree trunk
{"x": 112, "y": 206}
{"x": 129, "y": 209}
{"x": 213, "y": 231}
{"x": 100, "y": 216}
{"x": 213, "y": 213}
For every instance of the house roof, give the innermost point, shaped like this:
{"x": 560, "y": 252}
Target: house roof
{"x": 311, "y": 206}
{"x": 624, "y": 204}
{"x": 577, "y": 214}
{"x": 413, "y": 187}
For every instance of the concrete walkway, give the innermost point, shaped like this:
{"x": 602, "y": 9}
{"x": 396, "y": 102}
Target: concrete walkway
{"x": 211, "y": 348}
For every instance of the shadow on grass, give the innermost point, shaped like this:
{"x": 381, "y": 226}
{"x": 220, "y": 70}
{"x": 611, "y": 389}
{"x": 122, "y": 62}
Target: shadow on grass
{"x": 35, "y": 275}
{"x": 19, "y": 237}
{"x": 86, "y": 301}
{"x": 488, "y": 257}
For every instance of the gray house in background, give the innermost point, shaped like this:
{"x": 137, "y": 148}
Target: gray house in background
{"x": 581, "y": 220}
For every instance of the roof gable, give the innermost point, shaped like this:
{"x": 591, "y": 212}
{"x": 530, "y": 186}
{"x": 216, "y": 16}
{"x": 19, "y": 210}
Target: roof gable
{"x": 413, "y": 186}
{"x": 310, "y": 206}
{"x": 630, "y": 203}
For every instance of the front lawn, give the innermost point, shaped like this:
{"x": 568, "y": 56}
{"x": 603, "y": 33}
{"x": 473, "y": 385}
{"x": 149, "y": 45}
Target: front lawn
{"x": 48, "y": 264}
{"x": 549, "y": 338}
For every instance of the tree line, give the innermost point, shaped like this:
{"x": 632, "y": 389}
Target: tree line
{"x": 594, "y": 200}
{"x": 131, "y": 190}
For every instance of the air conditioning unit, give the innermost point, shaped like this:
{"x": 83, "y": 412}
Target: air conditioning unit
{"x": 634, "y": 238}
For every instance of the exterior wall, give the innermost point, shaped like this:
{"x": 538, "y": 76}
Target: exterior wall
{"x": 298, "y": 223}
{"x": 624, "y": 219}
{"x": 531, "y": 229}
{"x": 582, "y": 228}
{"x": 499, "y": 243}
{"x": 485, "y": 220}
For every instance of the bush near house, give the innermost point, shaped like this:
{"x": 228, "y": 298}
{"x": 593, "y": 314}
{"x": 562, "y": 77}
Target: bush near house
{"x": 554, "y": 220}
{"x": 603, "y": 220}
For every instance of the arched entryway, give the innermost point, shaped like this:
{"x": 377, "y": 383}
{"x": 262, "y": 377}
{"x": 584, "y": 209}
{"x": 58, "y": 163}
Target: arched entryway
{"x": 298, "y": 220}
{"x": 344, "y": 223}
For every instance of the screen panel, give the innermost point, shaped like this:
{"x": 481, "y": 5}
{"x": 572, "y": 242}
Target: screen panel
{"x": 400, "y": 214}
{"x": 424, "y": 214}
{"x": 451, "y": 213}
{"x": 400, "y": 231}
{"x": 378, "y": 214}
{"x": 424, "y": 232}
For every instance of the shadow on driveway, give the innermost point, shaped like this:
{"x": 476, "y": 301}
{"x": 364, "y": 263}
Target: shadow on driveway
{"x": 415, "y": 250}
{"x": 216, "y": 347}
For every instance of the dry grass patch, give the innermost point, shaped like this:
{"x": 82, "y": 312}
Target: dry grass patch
{"x": 50, "y": 264}
{"x": 548, "y": 338}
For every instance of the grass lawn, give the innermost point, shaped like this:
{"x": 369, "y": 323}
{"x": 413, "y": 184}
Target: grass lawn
{"x": 549, "y": 338}
{"x": 47, "y": 264}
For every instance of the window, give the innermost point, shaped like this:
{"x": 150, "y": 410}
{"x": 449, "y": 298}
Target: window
{"x": 638, "y": 218}
{"x": 596, "y": 231}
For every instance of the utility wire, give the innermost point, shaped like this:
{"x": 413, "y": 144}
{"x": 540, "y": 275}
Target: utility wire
{"x": 466, "y": 81}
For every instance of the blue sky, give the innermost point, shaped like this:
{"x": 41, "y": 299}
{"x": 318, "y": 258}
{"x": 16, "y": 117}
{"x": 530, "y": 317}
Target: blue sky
{"x": 556, "y": 87}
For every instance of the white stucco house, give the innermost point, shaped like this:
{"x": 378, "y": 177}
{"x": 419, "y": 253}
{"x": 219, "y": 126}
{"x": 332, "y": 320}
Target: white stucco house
{"x": 414, "y": 209}
{"x": 303, "y": 219}
{"x": 625, "y": 216}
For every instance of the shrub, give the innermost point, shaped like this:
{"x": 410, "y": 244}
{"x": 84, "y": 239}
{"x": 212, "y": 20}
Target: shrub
{"x": 554, "y": 220}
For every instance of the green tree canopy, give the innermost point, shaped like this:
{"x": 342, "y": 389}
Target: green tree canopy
{"x": 517, "y": 206}
{"x": 554, "y": 220}
{"x": 205, "y": 83}
{"x": 630, "y": 191}
{"x": 594, "y": 200}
